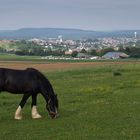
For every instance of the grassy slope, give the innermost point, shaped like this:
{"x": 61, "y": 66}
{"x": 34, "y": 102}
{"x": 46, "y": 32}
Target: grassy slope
{"x": 94, "y": 104}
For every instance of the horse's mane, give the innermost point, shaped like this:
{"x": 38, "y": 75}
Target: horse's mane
{"x": 44, "y": 81}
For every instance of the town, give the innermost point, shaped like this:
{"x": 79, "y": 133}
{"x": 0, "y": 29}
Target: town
{"x": 61, "y": 48}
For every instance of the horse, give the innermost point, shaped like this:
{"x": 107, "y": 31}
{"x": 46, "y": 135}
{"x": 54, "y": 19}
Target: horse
{"x": 29, "y": 82}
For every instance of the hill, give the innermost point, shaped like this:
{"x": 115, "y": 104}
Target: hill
{"x": 27, "y": 33}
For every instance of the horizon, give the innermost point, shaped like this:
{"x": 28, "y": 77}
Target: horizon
{"x": 69, "y": 28}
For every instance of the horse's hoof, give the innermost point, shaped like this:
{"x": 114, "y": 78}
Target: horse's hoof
{"x": 18, "y": 117}
{"x": 37, "y": 116}
{"x": 18, "y": 113}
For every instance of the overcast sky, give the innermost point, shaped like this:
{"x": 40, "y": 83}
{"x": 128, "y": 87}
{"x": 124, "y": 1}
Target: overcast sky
{"x": 81, "y": 14}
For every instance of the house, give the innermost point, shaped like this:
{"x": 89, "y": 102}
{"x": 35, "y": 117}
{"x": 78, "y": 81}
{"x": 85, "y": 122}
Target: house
{"x": 115, "y": 55}
{"x": 68, "y": 52}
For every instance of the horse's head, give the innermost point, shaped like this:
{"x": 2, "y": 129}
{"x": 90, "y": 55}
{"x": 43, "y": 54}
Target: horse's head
{"x": 52, "y": 106}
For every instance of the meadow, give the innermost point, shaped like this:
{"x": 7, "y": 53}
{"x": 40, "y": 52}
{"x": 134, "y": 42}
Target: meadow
{"x": 93, "y": 104}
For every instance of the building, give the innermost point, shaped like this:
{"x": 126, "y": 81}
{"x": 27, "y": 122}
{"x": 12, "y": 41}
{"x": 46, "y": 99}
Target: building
{"x": 68, "y": 52}
{"x": 115, "y": 55}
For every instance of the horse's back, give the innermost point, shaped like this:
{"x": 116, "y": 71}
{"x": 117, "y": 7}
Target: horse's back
{"x": 16, "y": 81}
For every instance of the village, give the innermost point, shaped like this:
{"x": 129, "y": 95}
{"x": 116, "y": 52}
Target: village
{"x": 61, "y": 48}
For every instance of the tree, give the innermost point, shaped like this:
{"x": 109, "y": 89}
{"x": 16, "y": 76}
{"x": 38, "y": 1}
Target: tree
{"x": 74, "y": 53}
{"x": 135, "y": 52}
{"x": 83, "y": 51}
{"x": 29, "y": 48}
{"x": 93, "y": 52}
{"x": 128, "y": 50}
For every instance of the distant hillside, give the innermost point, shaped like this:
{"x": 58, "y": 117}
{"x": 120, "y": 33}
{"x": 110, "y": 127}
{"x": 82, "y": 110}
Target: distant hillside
{"x": 27, "y": 33}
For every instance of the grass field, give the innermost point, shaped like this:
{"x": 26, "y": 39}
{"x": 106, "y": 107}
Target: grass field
{"x": 94, "y": 104}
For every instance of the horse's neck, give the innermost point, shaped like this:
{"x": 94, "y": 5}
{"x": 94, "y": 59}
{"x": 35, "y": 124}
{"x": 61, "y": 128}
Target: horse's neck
{"x": 47, "y": 93}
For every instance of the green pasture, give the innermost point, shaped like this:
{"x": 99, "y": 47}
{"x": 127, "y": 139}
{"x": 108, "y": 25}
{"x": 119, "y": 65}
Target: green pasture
{"x": 12, "y": 57}
{"x": 94, "y": 105}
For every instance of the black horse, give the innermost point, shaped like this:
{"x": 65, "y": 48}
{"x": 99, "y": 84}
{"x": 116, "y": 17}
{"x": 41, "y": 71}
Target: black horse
{"x": 29, "y": 82}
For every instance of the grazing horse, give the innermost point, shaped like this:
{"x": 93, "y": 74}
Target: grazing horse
{"x": 29, "y": 82}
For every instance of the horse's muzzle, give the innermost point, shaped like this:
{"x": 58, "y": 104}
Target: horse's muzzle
{"x": 54, "y": 115}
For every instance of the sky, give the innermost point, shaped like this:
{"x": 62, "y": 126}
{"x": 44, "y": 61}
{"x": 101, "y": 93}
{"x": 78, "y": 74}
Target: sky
{"x": 97, "y": 15}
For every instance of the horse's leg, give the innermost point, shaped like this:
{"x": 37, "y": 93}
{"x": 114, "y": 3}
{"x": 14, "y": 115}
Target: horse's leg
{"x": 35, "y": 114}
{"x": 18, "y": 113}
